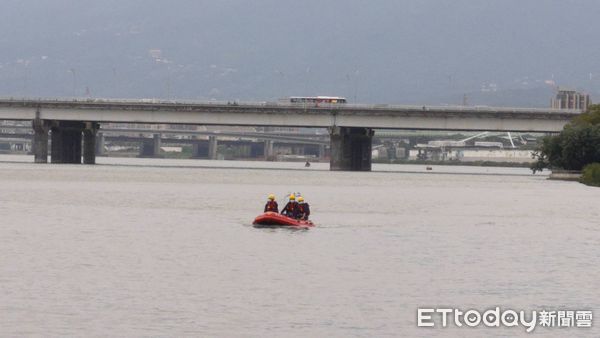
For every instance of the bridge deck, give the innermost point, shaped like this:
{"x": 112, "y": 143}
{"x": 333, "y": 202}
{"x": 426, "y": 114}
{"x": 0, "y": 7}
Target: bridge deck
{"x": 290, "y": 115}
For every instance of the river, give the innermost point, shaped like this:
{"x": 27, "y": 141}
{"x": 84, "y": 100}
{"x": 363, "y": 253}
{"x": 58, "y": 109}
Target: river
{"x": 150, "y": 247}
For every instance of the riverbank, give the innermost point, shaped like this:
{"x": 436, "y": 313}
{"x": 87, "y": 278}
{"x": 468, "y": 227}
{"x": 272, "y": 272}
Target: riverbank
{"x": 506, "y": 164}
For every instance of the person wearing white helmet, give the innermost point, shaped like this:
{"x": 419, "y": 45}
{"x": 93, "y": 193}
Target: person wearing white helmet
{"x": 271, "y": 205}
{"x": 303, "y": 209}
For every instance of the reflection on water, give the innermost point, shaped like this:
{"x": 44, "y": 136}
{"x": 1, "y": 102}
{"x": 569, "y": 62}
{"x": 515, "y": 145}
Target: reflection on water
{"x": 163, "y": 247}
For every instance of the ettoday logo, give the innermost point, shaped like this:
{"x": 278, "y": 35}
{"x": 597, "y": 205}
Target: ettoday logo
{"x": 496, "y": 317}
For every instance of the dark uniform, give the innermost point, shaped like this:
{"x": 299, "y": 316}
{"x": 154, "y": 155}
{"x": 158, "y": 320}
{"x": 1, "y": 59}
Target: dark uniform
{"x": 303, "y": 211}
{"x": 271, "y": 206}
{"x": 290, "y": 209}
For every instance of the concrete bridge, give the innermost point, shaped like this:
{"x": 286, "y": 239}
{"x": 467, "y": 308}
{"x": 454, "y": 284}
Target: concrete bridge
{"x": 151, "y": 141}
{"x": 275, "y": 136}
{"x": 351, "y": 126}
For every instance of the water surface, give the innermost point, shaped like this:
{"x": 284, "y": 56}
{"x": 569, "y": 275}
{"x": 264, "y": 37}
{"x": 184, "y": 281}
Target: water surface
{"x": 165, "y": 247}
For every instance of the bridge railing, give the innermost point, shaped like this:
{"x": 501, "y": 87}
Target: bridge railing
{"x": 279, "y": 104}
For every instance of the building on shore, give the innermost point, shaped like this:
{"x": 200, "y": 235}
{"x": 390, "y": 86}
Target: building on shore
{"x": 570, "y": 99}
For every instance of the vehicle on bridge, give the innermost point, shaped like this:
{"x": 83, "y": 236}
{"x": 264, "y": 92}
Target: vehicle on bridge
{"x": 318, "y": 99}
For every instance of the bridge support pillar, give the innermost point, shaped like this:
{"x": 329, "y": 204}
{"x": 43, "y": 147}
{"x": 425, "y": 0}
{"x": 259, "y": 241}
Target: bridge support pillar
{"x": 351, "y": 148}
{"x": 212, "y": 147}
{"x": 199, "y": 150}
{"x": 66, "y": 142}
{"x": 298, "y": 150}
{"x": 321, "y": 154}
{"x": 40, "y": 140}
{"x": 157, "y": 143}
{"x": 151, "y": 148}
{"x": 269, "y": 150}
{"x": 100, "y": 144}
{"x": 89, "y": 143}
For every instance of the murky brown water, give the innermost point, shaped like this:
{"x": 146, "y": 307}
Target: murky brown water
{"x": 164, "y": 248}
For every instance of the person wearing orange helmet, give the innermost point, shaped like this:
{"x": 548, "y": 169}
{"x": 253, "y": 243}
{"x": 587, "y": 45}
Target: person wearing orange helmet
{"x": 271, "y": 205}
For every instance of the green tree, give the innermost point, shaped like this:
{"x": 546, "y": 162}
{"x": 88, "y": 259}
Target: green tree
{"x": 591, "y": 174}
{"x": 575, "y": 147}
{"x": 591, "y": 116}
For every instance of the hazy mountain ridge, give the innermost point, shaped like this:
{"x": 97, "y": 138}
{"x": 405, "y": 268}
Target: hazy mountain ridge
{"x": 389, "y": 52}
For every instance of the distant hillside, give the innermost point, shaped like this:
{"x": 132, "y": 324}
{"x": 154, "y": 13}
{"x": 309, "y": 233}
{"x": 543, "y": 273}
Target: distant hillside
{"x": 388, "y": 51}
{"x": 535, "y": 97}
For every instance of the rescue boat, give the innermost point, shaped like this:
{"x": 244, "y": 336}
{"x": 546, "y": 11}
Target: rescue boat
{"x": 274, "y": 220}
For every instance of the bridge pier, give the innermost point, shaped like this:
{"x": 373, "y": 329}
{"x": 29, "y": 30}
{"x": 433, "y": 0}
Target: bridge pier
{"x": 66, "y": 142}
{"x": 351, "y": 148}
{"x": 89, "y": 143}
{"x": 100, "y": 142}
{"x": 212, "y": 147}
{"x": 151, "y": 148}
{"x": 156, "y": 144}
{"x": 199, "y": 149}
{"x": 40, "y": 140}
{"x": 298, "y": 150}
{"x": 321, "y": 154}
{"x": 269, "y": 150}
{"x": 203, "y": 149}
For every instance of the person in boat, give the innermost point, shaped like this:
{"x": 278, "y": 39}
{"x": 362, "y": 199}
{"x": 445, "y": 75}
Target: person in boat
{"x": 291, "y": 208}
{"x": 303, "y": 209}
{"x": 271, "y": 204}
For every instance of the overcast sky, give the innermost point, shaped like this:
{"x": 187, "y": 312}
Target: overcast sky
{"x": 390, "y": 51}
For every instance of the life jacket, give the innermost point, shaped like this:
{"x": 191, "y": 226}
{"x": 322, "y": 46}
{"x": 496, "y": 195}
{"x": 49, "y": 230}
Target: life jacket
{"x": 304, "y": 209}
{"x": 292, "y": 206}
{"x": 271, "y": 206}
{"x": 301, "y": 208}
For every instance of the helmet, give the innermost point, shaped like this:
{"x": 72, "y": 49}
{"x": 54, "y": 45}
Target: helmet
{"x": 272, "y": 197}
{"x": 300, "y": 199}
{"x": 292, "y": 197}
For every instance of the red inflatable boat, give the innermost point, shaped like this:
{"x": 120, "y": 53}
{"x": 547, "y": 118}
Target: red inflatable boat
{"x": 274, "y": 220}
